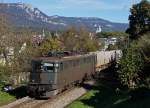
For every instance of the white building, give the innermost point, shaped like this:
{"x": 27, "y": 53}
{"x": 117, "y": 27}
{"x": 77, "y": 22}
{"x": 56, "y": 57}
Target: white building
{"x": 108, "y": 41}
{"x": 99, "y": 29}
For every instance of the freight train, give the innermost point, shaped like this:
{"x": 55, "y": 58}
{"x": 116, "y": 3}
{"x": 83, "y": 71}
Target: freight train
{"x": 51, "y": 75}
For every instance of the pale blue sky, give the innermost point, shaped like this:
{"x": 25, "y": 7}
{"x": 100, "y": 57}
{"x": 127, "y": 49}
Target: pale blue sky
{"x": 113, "y": 10}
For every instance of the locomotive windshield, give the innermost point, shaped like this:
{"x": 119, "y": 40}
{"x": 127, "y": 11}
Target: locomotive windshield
{"x": 48, "y": 67}
{"x": 44, "y": 67}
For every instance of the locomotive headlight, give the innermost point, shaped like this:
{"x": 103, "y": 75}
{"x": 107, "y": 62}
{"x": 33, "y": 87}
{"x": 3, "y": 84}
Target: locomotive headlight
{"x": 33, "y": 81}
{"x": 56, "y": 65}
{"x": 50, "y": 81}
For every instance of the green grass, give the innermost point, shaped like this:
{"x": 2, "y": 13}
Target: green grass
{"x": 107, "y": 97}
{"x": 80, "y": 104}
{"x": 5, "y": 98}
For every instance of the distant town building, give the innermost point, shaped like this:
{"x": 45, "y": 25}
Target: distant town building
{"x": 108, "y": 41}
{"x": 99, "y": 29}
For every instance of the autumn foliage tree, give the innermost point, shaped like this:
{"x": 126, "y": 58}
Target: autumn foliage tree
{"x": 5, "y": 37}
{"x": 70, "y": 40}
{"x": 16, "y": 50}
{"x": 49, "y": 44}
{"x": 79, "y": 40}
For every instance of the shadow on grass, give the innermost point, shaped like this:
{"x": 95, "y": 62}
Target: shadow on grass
{"x": 140, "y": 98}
{"x": 110, "y": 93}
{"x": 110, "y": 98}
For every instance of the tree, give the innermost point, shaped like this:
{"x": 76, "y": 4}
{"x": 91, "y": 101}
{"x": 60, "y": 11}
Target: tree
{"x": 69, "y": 39}
{"x": 139, "y": 19}
{"x": 80, "y": 40}
{"x": 50, "y": 44}
{"x": 130, "y": 67}
{"x": 86, "y": 41}
{"x": 17, "y": 50}
{"x": 6, "y": 35}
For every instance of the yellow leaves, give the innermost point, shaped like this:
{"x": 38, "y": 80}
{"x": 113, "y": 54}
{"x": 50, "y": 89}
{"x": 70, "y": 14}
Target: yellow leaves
{"x": 80, "y": 40}
{"x": 70, "y": 40}
{"x": 50, "y": 45}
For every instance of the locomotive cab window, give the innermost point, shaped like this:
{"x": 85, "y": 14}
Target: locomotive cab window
{"x": 48, "y": 67}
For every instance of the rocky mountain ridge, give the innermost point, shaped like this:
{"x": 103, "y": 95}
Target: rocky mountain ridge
{"x": 24, "y": 15}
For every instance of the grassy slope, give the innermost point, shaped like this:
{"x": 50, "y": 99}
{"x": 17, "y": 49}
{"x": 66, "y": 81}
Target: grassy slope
{"x": 105, "y": 97}
{"x": 5, "y": 98}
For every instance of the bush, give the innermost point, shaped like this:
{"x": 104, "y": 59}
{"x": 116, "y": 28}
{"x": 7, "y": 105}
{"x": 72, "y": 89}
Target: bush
{"x": 135, "y": 59}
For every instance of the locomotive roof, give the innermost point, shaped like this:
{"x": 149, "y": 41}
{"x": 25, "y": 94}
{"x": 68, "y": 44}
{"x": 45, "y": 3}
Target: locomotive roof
{"x": 56, "y": 59}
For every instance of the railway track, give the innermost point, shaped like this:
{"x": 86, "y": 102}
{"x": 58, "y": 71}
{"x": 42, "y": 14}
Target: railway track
{"x": 64, "y": 99}
{"x": 67, "y": 97}
{"x": 31, "y": 103}
{"x": 59, "y": 101}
